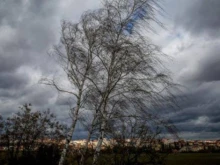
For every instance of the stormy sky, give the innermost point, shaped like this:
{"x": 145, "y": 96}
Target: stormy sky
{"x": 30, "y": 28}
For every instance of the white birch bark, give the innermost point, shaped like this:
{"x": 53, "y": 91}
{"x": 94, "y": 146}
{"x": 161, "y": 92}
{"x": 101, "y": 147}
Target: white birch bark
{"x": 99, "y": 144}
{"x": 82, "y": 160}
{"x": 70, "y": 134}
{"x": 68, "y": 139}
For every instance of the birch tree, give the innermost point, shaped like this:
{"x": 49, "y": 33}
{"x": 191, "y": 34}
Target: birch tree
{"x": 75, "y": 54}
{"x": 130, "y": 64}
{"x": 114, "y": 69}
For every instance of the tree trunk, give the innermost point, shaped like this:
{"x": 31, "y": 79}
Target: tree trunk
{"x": 68, "y": 139}
{"x": 70, "y": 134}
{"x": 99, "y": 144}
{"x": 82, "y": 160}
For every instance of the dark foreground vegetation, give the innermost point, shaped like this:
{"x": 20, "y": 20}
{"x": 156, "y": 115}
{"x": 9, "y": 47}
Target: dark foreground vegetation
{"x": 28, "y": 137}
{"x": 32, "y": 138}
{"x": 49, "y": 155}
{"x": 193, "y": 159}
{"x": 36, "y": 138}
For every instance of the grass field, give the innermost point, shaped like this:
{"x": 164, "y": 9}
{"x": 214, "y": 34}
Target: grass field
{"x": 194, "y": 159}
{"x": 189, "y": 159}
{"x": 172, "y": 159}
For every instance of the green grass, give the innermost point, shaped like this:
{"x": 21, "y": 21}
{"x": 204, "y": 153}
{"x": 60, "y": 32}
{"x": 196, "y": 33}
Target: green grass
{"x": 194, "y": 159}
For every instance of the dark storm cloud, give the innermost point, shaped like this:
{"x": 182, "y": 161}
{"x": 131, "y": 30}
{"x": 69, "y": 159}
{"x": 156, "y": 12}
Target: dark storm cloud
{"x": 26, "y": 32}
{"x": 209, "y": 68}
{"x": 195, "y": 42}
{"x": 65, "y": 100}
{"x": 215, "y": 118}
{"x": 200, "y": 17}
{"x": 37, "y": 95}
{"x": 199, "y": 125}
{"x": 11, "y": 80}
{"x": 200, "y": 112}
{"x": 200, "y": 64}
{"x": 9, "y": 64}
{"x": 29, "y": 28}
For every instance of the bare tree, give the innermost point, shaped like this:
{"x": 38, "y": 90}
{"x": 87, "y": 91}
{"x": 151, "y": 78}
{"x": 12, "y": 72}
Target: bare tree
{"x": 75, "y": 54}
{"x": 114, "y": 70}
{"x": 136, "y": 139}
{"x": 26, "y": 130}
{"x": 130, "y": 64}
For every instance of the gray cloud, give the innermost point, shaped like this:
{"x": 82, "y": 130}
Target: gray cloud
{"x": 209, "y": 68}
{"x": 200, "y": 111}
{"x": 28, "y": 29}
{"x": 11, "y": 80}
{"x": 194, "y": 44}
{"x": 200, "y": 17}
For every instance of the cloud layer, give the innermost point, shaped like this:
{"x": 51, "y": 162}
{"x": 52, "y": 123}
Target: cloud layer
{"x": 28, "y": 30}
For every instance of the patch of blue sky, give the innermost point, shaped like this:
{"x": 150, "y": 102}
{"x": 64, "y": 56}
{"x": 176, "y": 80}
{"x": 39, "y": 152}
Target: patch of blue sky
{"x": 139, "y": 14}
